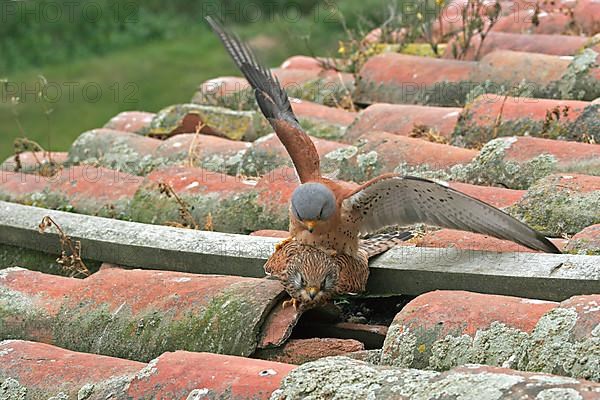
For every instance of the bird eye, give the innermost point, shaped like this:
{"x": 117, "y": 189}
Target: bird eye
{"x": 295, "y": 212}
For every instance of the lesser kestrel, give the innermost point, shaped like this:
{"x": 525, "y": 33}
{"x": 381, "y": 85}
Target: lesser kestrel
{"x": 331, "y": 215}
{"x": 312, "y": 276}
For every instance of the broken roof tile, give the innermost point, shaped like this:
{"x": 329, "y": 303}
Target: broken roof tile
{"x": 299, "y": 351}
{"x": 218, "y": 121}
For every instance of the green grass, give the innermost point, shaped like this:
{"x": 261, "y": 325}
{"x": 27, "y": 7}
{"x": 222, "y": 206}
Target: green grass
{"x": 150, "y": 76}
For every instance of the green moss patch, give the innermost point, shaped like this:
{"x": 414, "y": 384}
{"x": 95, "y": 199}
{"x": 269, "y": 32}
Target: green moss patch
{"x": 352, "y": 163}
{"x": 556, "y": 210}
{"x": 226, "y": 324}
{"x": 112, "y": 151}
{"x": 586, "y": 128}
{"x": 235, "y": 214}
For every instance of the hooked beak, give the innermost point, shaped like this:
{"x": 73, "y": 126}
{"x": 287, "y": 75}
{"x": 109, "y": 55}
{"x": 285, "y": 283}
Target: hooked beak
{"x": 310, "y": 225}
{"x": 312, "y": 292}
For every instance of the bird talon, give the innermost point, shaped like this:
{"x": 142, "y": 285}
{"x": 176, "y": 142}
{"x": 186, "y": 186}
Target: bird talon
{"x": 292, "y": 301}
{"x": 283, "y": 243}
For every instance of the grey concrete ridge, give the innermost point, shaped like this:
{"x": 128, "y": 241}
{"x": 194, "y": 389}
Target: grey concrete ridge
{"x": 403, "y": 270}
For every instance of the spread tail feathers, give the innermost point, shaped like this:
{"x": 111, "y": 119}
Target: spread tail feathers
{"x": 382, "y": 242}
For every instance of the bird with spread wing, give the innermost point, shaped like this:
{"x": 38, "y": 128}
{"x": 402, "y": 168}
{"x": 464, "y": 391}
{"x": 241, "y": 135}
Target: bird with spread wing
{"x": 331, "y": 215}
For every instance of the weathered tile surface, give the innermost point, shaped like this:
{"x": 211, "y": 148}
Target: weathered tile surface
{"x": 136, "y": 314}
{"x": 343, "y": 376}
{"x": 27, "y": 366}
{"x": 443, "y": 329}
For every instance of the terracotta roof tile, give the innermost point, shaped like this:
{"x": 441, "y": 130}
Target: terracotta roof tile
{"x": 124, "y": 151}
{"x": 130, "y": 121}
{"x": 586, "y": 241}
{"x": 394, "y": 150}
{"x": 178, "y": 375}
{"x": 550, "y": 22}
{"x": 314, "y": 111}
{"x": 362, "y": 380}
{"x": 404, "y": 120}
{"x": 299, "y": 351}
{"x": 33, "y": 161}
{"x": 218, "y": 121}
{"x": 472, "y": 241}
{"x": 449, "y": 328}
{"x": 83, "y": 189}
{"x": 164, "y": 308}
{"x": 561, "y": 204}
{"x": 558, "y": 45}
{"x": 203, "y": 181}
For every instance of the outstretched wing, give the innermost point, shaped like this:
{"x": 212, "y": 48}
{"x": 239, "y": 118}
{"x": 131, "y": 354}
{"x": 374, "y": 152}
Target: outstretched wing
{"x": 397, "y": 200}
{"x": 274, "y": 104}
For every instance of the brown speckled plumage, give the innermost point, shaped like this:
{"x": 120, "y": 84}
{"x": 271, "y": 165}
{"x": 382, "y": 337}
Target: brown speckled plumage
{"x": 299, "y": 266}
{"x": 348, "y": 273}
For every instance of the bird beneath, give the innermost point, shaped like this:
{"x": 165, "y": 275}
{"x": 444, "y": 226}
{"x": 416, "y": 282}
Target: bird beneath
{"x": 331, "y": 215}
{"x": 312, "y": 276}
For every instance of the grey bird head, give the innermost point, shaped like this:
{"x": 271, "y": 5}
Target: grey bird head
{"x": 312, "y": 202}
